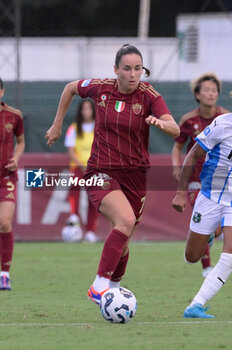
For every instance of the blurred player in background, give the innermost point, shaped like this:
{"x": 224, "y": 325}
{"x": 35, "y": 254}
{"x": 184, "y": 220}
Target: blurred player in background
{"x": 206, "y": 89}
{"x": 213, "y": 206}
{"x": 11, "y": 124}
{"x": 78, "y": 140}
{"x": 125, "y": 109}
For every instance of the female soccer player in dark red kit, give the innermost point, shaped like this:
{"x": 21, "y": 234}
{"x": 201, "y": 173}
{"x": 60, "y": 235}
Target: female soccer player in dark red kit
{"x": 125, "y": 109}
{"x": 206, "y": 89}
{"x": 11, "y": 125}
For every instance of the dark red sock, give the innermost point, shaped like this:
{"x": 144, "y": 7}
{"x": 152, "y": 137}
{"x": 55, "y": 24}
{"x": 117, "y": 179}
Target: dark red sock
{"x": 6, "y": 250}
{"x": 121, "y": 268}
{"x": 205, "y": 260}
{"x": 112, "y": 251}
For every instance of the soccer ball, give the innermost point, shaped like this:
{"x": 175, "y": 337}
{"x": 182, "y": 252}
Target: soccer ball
{"x": 118, "y": 305}
{"x": 72, "y": 233}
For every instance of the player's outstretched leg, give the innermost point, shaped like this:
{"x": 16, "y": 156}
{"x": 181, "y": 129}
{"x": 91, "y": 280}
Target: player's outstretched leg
{"x": 211, "y": 286}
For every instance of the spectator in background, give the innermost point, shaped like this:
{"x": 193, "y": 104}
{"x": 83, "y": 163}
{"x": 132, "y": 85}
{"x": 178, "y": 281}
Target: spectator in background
{"x": 11, "y": 126}
{"x": 78, "y": 140}
{"x": 206, "y": 89}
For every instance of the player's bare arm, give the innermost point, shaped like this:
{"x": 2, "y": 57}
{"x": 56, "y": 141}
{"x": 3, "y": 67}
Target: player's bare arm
{"x": 67, "y": 95}
{"x": 176, "y": 159}
{"x": 18, "y": 151}
{"x": 179, "y": 202}
{"x": 166, "y": 123}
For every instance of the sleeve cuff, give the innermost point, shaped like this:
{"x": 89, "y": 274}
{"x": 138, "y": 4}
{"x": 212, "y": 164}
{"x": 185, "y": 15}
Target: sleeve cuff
{"x": 202, "y": 145}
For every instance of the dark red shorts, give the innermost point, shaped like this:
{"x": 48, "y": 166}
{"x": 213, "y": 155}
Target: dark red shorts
{"x": 131, "y": 182}
{"x": 8, "y": 189}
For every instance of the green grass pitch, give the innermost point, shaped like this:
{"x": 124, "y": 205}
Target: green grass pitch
{"x": 47, "y": 308}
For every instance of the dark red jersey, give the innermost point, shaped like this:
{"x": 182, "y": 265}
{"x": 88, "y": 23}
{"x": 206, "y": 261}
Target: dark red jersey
{"x": 121, "y": 135}
{"x": 11, "y": 124}
{"x": 192, "y": 124}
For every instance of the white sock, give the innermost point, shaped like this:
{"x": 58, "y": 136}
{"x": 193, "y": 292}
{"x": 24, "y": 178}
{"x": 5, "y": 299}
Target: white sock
{"x": 114, "y": 284}
{"x": 215, "y": 279}
{"x": 101, "y": 283}
{"x": 5, "y": 273}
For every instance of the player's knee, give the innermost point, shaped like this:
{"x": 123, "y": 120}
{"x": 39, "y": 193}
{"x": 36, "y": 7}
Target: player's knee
{"x": 127, "y": 223}
{"x": 5, "y": 225}
{"x": 191, "y": 258}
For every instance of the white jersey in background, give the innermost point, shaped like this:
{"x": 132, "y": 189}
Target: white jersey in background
{"x": 216, "y": 175}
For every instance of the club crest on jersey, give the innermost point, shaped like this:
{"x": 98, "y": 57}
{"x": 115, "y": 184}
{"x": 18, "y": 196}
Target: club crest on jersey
{"x": 8, "y": 127}
{"x": 197, "y": 217}
{"x": 137, "y": 108}
{"x": 119, "y": 106}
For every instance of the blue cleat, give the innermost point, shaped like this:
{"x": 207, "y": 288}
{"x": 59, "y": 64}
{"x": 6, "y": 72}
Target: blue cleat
{"x": 5, "y": 283}
{"x": 196, "y": 311}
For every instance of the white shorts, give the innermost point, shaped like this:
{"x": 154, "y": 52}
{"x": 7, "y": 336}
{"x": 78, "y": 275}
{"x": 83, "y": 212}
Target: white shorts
{"x": 207, "y": 215}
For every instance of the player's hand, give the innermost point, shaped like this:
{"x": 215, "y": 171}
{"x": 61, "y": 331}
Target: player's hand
{"x": 53, "y": 134}
{"x": 179, "y": 203}
{"x": 154, "y": 121}
{"x": 12, "y": 164}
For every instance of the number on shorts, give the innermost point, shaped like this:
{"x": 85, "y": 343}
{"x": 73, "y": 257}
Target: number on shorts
{"x": 10, "y": 186}
{"x": 142, "y": 206}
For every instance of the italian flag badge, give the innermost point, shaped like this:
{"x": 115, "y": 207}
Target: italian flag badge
{"x": 119, "y": 106}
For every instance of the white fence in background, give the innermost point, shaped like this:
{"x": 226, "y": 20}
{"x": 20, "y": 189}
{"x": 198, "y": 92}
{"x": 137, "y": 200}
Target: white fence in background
{"x": 203, "y": 43}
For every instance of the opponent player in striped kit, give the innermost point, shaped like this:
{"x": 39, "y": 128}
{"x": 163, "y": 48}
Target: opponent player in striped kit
{"x": 11, "y": 124}
{"x": 125, "y": 109}
{"x": 206, "y": 89}
{"x": 213, "y": 206}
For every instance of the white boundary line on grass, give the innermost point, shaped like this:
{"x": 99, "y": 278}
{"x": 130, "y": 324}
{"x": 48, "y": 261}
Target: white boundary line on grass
{"x": 96, "y": 324}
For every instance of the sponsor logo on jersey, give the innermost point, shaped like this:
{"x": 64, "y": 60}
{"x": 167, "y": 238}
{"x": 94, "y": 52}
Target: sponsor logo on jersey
{"x": 8, "y": 127}
{"x": 86, "y": 82}
{"x": 119, "y": 106}
{"x": 102, "y": 104}
{"x": 10, "y": 196}
{"x": 35, "y": 178}
{"x": 137, "y": 108}
{"x": 207, "y": 131}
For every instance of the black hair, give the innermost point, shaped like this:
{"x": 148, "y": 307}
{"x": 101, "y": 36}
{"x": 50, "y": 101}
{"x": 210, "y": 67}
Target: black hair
{"x": 1, "y": 84}
{"x": 79, "y": 115}
{"x": 196, "y": 83}
{"x": 126, "y": 50}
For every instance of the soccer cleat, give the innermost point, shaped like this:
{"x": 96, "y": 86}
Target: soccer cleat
{"x": 5, "y": 283}
{"x": 196, "y": 311}
{"x": 91, "y": 237}
{"x": 95, "y": 296}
